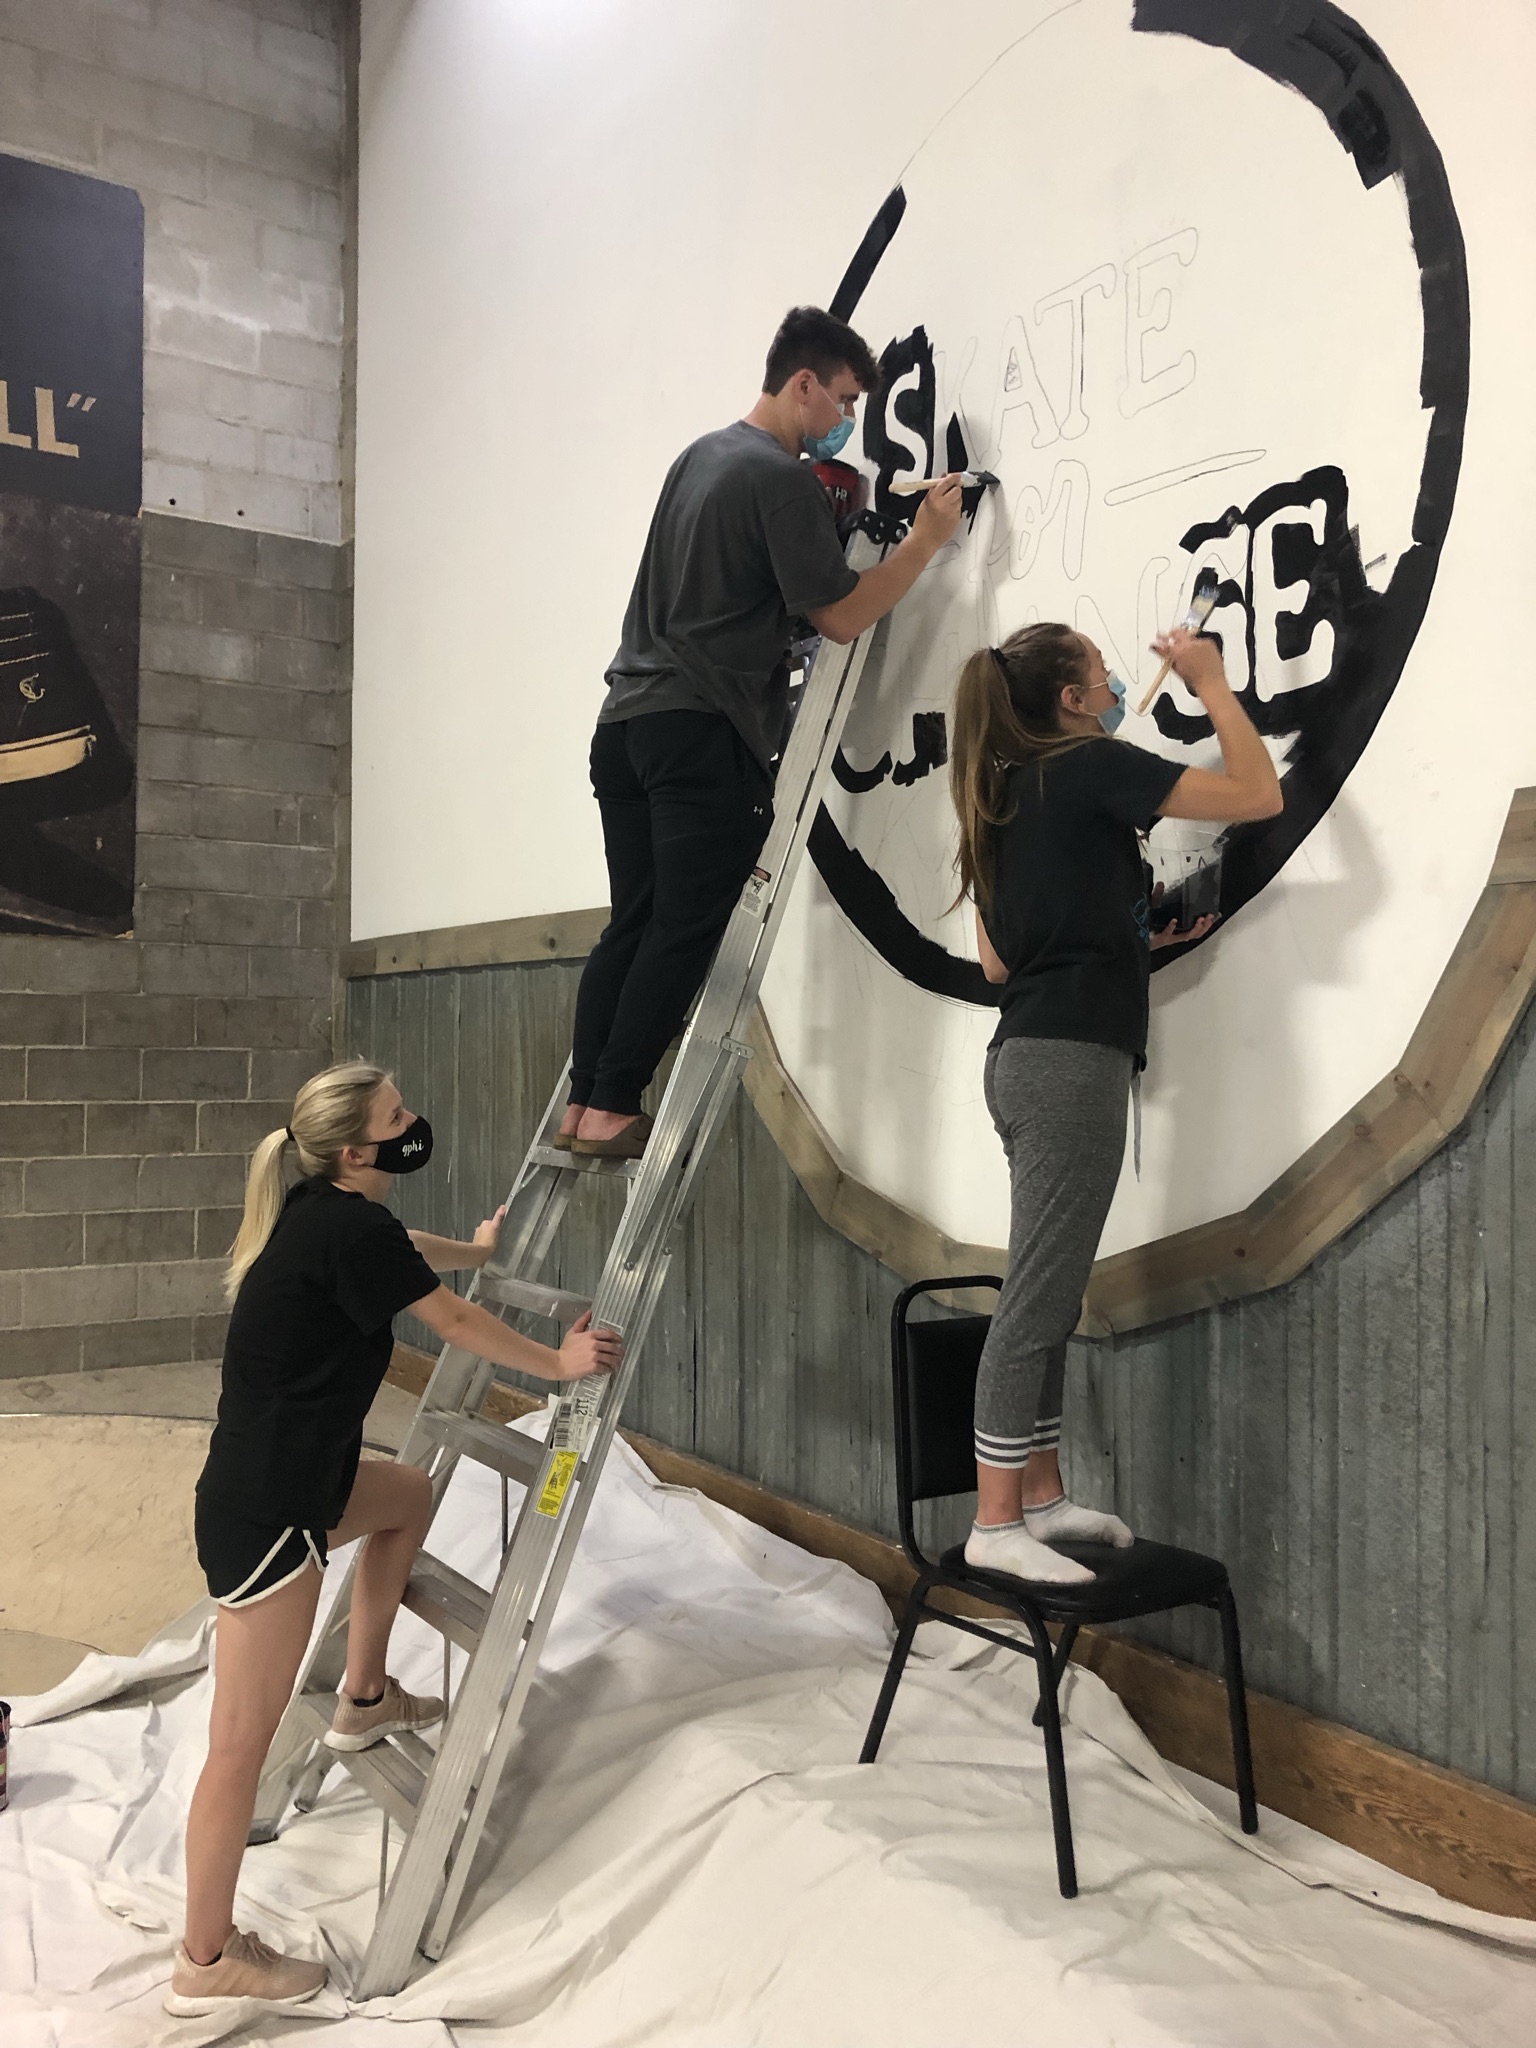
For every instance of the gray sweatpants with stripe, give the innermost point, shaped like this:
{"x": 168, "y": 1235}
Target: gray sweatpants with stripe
{"x": 1059, "y": 1105}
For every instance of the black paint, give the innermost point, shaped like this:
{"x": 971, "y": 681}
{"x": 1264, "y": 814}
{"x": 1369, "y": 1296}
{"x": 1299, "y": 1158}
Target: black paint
{"x": 1313, "y": 48}
{"x": 912, "y": 408}
{"x": 1324, "y": 721}
{"x": 865, "y": 899}
{"x": 930, "y": 750}
{"x": 877, "y": 239}
{"x": 859, "y": 781}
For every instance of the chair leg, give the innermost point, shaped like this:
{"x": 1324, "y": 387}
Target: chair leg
{"x": 1055, "y": 1761}
{"x": 1237, "y": 1712}
{"x": 912, "y": 1615}
{"x": 1064, "y": 1644}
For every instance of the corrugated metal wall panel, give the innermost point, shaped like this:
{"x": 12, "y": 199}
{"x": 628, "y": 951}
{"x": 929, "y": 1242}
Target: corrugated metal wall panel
{"x": 1353, "y": 1444}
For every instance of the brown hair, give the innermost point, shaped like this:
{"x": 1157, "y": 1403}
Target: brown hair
{"x": 1007, "y": 711}
{"x": 332, "y": 1110}
{"x": 809, "y": 339}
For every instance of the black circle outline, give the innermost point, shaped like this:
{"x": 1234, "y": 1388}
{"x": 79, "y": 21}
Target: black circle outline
{"x": 1318, "y": 51}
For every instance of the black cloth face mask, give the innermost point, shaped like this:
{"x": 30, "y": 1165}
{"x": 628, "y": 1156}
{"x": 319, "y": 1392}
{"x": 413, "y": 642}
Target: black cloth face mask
{"x": 409, "y": 1152}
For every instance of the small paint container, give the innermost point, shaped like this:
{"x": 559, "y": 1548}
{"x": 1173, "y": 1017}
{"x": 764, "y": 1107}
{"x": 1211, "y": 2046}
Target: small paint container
{"x": 5, "y": 1744}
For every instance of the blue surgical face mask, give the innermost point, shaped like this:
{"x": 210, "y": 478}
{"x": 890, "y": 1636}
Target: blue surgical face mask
{"x": 1114, "y": 717}
{"x": 822, "y": 447}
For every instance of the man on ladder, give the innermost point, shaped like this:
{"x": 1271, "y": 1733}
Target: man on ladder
{"x": 742, "y": 541}
{"x": 439, "y": 1799}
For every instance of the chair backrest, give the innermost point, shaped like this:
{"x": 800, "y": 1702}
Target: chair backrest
{"x": 933, "y": 1365}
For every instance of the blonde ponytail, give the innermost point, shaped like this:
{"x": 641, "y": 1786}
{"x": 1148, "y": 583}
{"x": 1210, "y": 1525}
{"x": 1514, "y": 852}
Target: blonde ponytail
{"x": 1007, "y": 711}
{"x": 331, "y": 1111}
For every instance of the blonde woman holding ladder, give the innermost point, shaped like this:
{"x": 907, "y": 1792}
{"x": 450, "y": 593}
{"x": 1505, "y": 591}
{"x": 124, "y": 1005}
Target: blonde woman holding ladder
{"x": 316, "y": 1276}
{"x": 1051, "y": 808}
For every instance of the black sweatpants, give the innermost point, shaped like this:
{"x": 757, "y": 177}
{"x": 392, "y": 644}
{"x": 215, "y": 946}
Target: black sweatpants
{"x": 685, "y": 808}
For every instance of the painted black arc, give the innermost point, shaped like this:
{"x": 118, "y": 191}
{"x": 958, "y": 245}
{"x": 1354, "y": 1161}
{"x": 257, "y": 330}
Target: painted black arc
{"x": 1317, "y": 50}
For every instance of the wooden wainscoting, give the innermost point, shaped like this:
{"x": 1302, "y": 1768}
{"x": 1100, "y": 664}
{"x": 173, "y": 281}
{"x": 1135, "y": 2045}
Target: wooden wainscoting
{"x": 1369, "y": 1152}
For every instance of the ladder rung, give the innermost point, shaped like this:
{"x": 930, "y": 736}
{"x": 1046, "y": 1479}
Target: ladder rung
{"x": 445, "y": 1600}
{"x": 389, "y": 1778}
{"x": 393, "y": 1772}
{"x": 576, "y": 1162}
{"x": 553, "y": 1302}
{"x": 504, "y": 1450}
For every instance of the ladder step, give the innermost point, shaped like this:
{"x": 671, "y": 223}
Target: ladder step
{"x": 445, "y": 1600}
{"x": 553, "y": 1302}
{"x": 393, "y": 1772}
{"x": 507, "y": 1451}
{"x": 576, "y": 1162}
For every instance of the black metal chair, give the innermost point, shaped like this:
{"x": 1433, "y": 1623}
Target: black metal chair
{"x": 934, "y": 1365}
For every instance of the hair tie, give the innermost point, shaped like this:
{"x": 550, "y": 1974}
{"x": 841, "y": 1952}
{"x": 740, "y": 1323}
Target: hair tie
{"x": 288, "y": 1134}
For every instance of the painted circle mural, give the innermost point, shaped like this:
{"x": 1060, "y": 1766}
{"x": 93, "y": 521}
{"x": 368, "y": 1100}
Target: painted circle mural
{"x": 1189, "y": 280}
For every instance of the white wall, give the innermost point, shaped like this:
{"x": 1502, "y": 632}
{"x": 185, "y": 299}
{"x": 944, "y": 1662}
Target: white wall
{"x": 581, "y": 220}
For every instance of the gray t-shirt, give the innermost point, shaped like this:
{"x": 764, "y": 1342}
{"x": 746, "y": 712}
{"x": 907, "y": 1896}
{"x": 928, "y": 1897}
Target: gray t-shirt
{"x": 742, "y": 541}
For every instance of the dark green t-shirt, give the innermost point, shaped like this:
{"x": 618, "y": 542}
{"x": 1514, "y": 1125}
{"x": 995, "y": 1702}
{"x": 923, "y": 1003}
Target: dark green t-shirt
{"x": 1070, "y": 918}
{"x": 742, "y": 541}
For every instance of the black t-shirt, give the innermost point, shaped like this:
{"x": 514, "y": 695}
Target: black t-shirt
{"x": 1070, "y": 918}
{"x": 742, "y": 541}
{"x": 309, "y": 1343}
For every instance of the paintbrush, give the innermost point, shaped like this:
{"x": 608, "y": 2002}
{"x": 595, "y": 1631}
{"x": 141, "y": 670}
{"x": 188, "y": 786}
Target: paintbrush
{"x": 1201, "y": 604}
{"x": 909, "y": 487}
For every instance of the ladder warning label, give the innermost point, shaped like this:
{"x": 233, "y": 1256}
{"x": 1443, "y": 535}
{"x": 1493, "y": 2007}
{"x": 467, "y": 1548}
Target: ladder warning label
{"x": 557, "y": 1485}
{"x": 754, "y": 896}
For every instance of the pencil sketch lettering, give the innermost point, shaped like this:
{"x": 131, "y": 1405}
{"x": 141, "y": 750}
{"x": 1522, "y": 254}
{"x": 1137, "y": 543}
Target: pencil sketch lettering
{"x": 1033, "y": 514}
{"x": 1072, "y": 300}
{"x": 1150, "y": 278}
{"x": 1019, "y": 390}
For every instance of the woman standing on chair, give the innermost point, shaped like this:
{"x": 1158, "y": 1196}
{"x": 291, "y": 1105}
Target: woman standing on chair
{"x": 315, "y": 1277}
{"x": 1051, "y": 809}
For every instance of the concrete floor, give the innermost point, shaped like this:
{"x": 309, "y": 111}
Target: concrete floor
{"x": 96, "y": 1474}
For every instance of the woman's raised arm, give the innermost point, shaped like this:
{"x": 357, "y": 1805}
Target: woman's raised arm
{"x": 1245, "y": 785}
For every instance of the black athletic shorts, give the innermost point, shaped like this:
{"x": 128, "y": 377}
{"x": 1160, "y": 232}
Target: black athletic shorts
{"x": 244, "y": 1561}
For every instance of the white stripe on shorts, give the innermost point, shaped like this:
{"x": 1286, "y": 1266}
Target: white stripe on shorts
{"x": 250, "y": 1579}
{"x": 240, "y": 1598}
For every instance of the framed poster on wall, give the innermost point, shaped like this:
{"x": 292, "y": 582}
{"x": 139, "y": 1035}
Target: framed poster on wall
{"x": 71, "y": 436}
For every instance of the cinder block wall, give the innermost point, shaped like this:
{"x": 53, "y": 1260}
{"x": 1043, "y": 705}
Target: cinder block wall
{"x": 134, "y": 1073}
{"x": 229, "y": 118}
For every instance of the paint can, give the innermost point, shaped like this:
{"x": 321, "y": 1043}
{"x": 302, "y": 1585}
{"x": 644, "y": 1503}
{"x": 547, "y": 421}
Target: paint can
{"x": 5, "y": 1744}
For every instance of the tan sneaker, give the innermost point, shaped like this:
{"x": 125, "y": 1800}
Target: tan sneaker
{"x": 245, "y": 1968}
{"x": 628, "y": 1143}
{"x": 354, "y": 1727}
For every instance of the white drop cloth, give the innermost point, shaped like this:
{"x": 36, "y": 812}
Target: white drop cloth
{"x": 685, "y": 1854}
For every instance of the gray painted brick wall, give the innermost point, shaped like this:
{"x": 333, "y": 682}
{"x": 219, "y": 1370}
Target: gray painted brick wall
{"x": 135, "y": 1074}
{"x": 229, "y": 117}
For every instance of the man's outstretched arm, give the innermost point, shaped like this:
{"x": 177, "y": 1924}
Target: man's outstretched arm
{"x": 879, "y": 589}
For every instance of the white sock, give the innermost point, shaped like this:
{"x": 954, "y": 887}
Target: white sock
{"x": 1009, "y": 1547}
{"x": 1063, "y": 1518}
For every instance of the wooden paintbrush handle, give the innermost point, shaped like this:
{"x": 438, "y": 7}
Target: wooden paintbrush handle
{"x": 1157, "y": 683}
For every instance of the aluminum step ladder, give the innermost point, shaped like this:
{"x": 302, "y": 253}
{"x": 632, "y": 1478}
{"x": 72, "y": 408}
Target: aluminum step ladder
{"x": 441, "y": 1797}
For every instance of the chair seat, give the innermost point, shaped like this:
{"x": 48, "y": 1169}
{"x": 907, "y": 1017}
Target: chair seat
{"x": 1148, "y": 1578}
